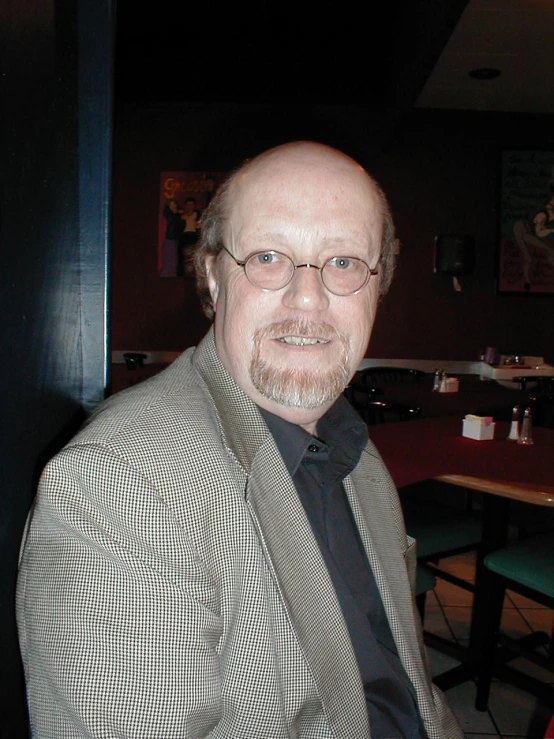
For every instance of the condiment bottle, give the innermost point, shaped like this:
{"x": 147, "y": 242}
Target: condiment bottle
{"x": 514, "y": 428}
{"x": 526, "y": 429}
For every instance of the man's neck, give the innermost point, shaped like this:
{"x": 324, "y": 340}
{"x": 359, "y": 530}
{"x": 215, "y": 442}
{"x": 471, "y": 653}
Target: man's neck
{"x": 310, "y": 428}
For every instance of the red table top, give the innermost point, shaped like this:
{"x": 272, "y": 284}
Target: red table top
{"x": 426, "y": 448}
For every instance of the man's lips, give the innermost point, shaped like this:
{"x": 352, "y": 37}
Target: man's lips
{"x": 302, "y": 340}
{"x": 299, "y": 333}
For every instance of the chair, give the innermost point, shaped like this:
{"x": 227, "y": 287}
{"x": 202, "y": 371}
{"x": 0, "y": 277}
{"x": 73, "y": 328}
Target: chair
{"x": 425, "y": 581}
{"x": 542, "y": 384}
{"x": 441, "y": 531}
{"x": 542, "y": 408}
{"x": 388, "y": 375}
{"x": 363, "y": 397}
{"x": 526, "y": 567}
{"x": 381, "y": 411}
{"x": 366, "y": 396}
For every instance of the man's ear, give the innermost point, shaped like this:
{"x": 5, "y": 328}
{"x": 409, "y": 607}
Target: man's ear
{"x": 212, "y": 274}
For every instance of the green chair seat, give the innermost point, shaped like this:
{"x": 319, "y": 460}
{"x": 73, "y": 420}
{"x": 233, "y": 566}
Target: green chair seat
{"x": 527, "y": 568}
{"x": 425, "y": 580}
{"x": 529, "y": 562}
{"x": 439, "y": 530}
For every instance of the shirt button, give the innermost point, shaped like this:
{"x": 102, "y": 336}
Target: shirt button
{"x": 313, "y": 448}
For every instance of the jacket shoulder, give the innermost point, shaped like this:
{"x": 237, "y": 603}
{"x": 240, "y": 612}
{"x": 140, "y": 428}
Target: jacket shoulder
{"x": 170, "y": 412}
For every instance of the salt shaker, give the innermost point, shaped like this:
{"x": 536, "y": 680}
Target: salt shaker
{"x": 526, "y": 429}
{"x": 514, "y": 428}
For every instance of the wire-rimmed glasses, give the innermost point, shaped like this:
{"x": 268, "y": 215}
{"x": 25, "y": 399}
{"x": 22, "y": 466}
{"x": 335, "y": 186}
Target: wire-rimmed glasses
{"x": 272, "y": 270}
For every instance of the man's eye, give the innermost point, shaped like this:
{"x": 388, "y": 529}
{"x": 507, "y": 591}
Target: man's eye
{"x": 266, "y": 257}
{"x": 342, "y": 262}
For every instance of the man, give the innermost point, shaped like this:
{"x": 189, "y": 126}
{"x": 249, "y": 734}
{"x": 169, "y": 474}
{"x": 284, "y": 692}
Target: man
{"x": 191, "y": 217}
{"x": 174, "y": 228}
{"x": 220, "y": 551}
{"x": 209, "y": 190}
{"x": 189, "y": 238}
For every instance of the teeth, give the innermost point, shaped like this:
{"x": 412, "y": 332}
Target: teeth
{"x": 301, "y": 340}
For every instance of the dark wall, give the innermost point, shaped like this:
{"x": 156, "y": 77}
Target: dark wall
{"x": 441, "y": 172}
{"x": 439, "y": 169}
{"x": 56, "y": 145}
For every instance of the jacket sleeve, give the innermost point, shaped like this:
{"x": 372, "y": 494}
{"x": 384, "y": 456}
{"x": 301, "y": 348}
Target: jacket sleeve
{"x": 118, "y": 614}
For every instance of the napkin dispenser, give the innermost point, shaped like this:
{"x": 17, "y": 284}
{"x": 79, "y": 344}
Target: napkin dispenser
{"x": 480, "y": 428}
{"x": 449, "y": 385}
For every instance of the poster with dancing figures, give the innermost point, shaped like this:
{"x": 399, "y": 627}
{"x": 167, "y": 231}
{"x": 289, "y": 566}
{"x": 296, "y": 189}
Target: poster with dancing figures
{"x": 526, "y": 243}
{"x": 184, "y": 196}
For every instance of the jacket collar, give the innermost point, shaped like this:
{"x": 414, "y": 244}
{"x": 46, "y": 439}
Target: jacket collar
{"x": 242, "y": 425}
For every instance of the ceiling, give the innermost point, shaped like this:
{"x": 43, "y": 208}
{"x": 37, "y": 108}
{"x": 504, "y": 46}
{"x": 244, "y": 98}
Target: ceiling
{"x": 513, "y": 36}
{"x": 418, "y": 53}
{"x": 284, "y": 51}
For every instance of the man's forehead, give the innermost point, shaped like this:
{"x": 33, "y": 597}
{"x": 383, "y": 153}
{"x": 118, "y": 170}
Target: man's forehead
{"x": 314, "y": 179}
{"x": 279, "y": 223}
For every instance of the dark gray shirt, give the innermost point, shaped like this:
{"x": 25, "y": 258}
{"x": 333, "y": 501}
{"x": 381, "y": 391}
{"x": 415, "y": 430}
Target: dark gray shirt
{"x": 318, "y": 467}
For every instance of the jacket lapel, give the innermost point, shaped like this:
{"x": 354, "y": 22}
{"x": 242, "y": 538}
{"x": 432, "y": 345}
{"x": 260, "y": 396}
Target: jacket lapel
{"x": 291, "y": 551}
{"x": 308, "y": 593}
{"x": 385, "y": 545}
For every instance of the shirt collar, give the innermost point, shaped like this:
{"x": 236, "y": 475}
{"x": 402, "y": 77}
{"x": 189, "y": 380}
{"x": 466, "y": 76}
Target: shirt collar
{"x": 340, "y": 429}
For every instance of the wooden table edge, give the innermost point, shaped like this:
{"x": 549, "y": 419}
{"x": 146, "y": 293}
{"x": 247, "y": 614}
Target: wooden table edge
{"x": 542, "y": 495}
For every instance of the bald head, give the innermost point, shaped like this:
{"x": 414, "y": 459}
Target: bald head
{"x": 298, "y": 158}
{"x": 298, "y": 172}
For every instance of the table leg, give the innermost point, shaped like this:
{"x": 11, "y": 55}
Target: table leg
{"x": 496, "y": 517}
{"x": 496, "y": 512}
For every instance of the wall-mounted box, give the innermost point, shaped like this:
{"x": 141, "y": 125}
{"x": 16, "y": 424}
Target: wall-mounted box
{"x": 454, "y": 254}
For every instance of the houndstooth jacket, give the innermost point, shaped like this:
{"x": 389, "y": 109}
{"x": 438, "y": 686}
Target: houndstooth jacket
{"x": 170, "y": 585}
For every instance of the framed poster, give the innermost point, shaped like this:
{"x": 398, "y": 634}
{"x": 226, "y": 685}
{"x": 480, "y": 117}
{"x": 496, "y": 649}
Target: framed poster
{"x": 183, "y": 198}
{"x": 526, "y": 238}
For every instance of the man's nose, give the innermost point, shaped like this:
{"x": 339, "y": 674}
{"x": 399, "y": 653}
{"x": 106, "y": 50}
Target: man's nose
{"x": 306, "y": 290}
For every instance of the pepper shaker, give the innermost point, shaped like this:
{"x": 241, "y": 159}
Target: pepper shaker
{"x": 526, "y": 436}
{"x": 514, "y": 428}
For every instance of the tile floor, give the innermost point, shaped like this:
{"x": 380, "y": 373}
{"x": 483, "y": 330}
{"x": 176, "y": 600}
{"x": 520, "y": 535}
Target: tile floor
{"x": 512, "y": 713}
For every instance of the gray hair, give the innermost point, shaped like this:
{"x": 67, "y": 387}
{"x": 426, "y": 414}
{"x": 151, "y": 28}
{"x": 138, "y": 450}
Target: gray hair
{"x": 216, "y": 215}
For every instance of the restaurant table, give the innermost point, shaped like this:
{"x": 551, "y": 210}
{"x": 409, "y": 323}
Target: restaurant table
{"x": 429, "y": 448}
{"x": 481, "y": 397}
{"x": 434, "y": 448}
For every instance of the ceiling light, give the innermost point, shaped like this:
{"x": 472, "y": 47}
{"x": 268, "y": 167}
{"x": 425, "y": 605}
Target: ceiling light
{"x": 485, "y": 73}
